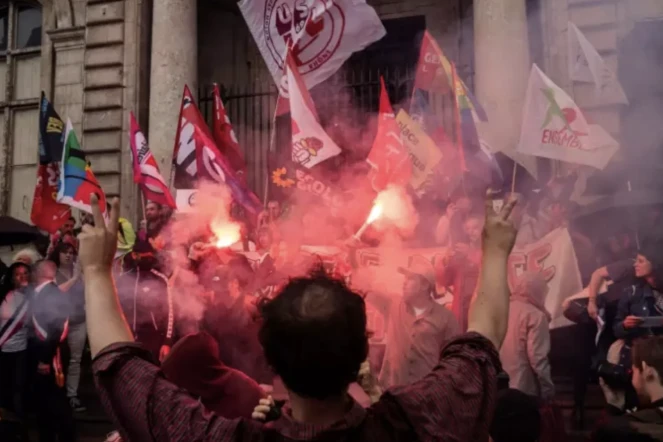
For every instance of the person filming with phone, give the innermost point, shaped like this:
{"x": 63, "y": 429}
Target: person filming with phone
{"x": 640, "y": 309}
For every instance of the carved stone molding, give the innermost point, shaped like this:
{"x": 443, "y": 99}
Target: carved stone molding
{"x": 67, "y": 38}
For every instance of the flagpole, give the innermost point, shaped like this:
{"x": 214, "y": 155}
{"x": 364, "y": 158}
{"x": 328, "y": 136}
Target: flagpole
{"x": 272, "y": 149}
{"x": 513, "y": 178}
{"x": 142, "y": 200}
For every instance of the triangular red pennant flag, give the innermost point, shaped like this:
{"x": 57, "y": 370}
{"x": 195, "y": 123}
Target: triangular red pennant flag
{"x": 146, "y": 169}
{"x": 389, "y": 159}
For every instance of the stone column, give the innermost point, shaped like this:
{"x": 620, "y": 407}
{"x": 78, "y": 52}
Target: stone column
{"x": 502, "y": 59}
{"x": 174, "y": 61}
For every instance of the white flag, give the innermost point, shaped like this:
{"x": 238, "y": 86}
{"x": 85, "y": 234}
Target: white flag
{"x": 554, "y": 257}
{"x": 310, "y": 143}
{"x": 323, "y": 33}
{"x": 587, "y": 66}
{"x": 554, "y": 127}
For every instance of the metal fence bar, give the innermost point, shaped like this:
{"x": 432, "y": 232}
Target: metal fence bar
{"x": 352, "y": 94}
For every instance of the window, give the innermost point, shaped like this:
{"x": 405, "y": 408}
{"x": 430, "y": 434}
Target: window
{"x": 20, "y": 61}
{"x": 28, "y": 27}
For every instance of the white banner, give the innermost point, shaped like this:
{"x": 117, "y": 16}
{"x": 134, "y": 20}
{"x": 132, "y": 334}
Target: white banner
{"x": 586, "y": 65}
{"x": 310, "y": 143}
{"x": 554, "y": 127}
{"x": 324, "y": 33}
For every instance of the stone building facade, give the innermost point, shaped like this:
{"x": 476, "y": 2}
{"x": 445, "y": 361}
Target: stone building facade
{"x": 98, "y": 60}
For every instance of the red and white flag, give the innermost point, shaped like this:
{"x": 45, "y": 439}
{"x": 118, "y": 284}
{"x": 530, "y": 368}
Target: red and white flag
{"x": 310, "y": 143}
{"x": 587, "y": 66}
{"x": 389, "y": 159}
{"x": 323, "y": 34}
{"x": 146, "y": 169}
{"x": 554, "y": 127}
{"x": 225, "y": 138}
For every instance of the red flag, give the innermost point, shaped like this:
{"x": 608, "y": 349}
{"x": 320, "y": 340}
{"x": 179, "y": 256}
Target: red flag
{"x": 146, "y": 169}
{"x": 213, "y": 166}
{"x": 389, "y": 159}
{"x": 184, "y": 157}
{"x": 47, "y": 214}
{"x": 189, "y": 113}
{"x": 225, "y": 138}
{"x": 433, "y": 69}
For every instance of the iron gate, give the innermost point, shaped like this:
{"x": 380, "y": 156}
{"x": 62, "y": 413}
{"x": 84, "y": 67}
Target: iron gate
{"x": 347, "y": 102}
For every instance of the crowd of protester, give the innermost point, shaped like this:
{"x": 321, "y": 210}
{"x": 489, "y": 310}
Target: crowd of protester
{"x": 295, "y": 349}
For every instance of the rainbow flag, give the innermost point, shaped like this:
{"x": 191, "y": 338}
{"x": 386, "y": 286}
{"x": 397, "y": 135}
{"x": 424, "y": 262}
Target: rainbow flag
{"x": 77, "y": 182}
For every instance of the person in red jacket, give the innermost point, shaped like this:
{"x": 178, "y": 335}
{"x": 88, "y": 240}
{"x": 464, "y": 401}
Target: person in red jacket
{"x": 194, "y": 365}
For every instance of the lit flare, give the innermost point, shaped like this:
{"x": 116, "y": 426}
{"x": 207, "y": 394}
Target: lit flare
{"x": 225, "y": 233}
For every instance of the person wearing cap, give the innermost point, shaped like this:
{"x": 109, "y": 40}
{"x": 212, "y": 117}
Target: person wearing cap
{"x": 418, "y": 327}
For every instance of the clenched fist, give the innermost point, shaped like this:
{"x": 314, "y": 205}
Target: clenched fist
{"x": 499, "y": 232}
{"x": 98, "y": 243}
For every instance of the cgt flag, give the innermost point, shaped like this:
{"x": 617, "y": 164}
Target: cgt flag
{"x": 77, "y": 182}
{"x": 212, "y": 166}
{"x": 196, "y": 157}
{"x": 146, "y": 170}
{"x": 310, "y": 143}
{"x": 47, "y": 213}
{"x": 323, "y": 34}
{"x": 225, "y": 138}
{"x": 554, "y": 127}
{"x": 184, "y": 152}
{"x": 388, "y": 158}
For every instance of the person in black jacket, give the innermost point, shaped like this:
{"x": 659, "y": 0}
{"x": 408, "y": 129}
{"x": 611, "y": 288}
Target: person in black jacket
{"x": 50, "y": 322}
{"x": 147, "y": 301}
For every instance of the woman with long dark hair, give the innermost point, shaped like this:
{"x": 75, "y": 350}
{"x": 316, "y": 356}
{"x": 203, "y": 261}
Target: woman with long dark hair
{"x": 14, "y": 338}
{"x": 68, "y": 279}
{"x": 642, "y": 300}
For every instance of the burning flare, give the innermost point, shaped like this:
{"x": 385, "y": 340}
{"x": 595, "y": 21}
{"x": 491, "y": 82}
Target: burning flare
{"x": 225, "y": 233}
{"x": 376, "y": 212}
{"x": 392, "y": 204}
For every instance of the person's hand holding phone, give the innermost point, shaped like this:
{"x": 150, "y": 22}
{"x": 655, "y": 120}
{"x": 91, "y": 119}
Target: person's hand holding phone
{"x": 632, "y": 322}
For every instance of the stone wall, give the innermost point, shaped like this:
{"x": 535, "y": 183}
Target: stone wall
{"x": 605, "y": 23}
{"x": 92, "y": 58}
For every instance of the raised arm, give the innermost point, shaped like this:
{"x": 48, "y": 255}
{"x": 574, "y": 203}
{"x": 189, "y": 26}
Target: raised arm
{"x": 142, "y": 404}
{"x": 489, "y": 311}
{"x": 104, "y": 318}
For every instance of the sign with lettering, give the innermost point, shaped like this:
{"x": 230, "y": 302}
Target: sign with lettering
{"x": 424, "y": 154}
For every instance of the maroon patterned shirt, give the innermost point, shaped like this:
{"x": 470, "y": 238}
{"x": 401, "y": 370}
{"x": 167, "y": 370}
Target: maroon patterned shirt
{"x": 453, "y": 403}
